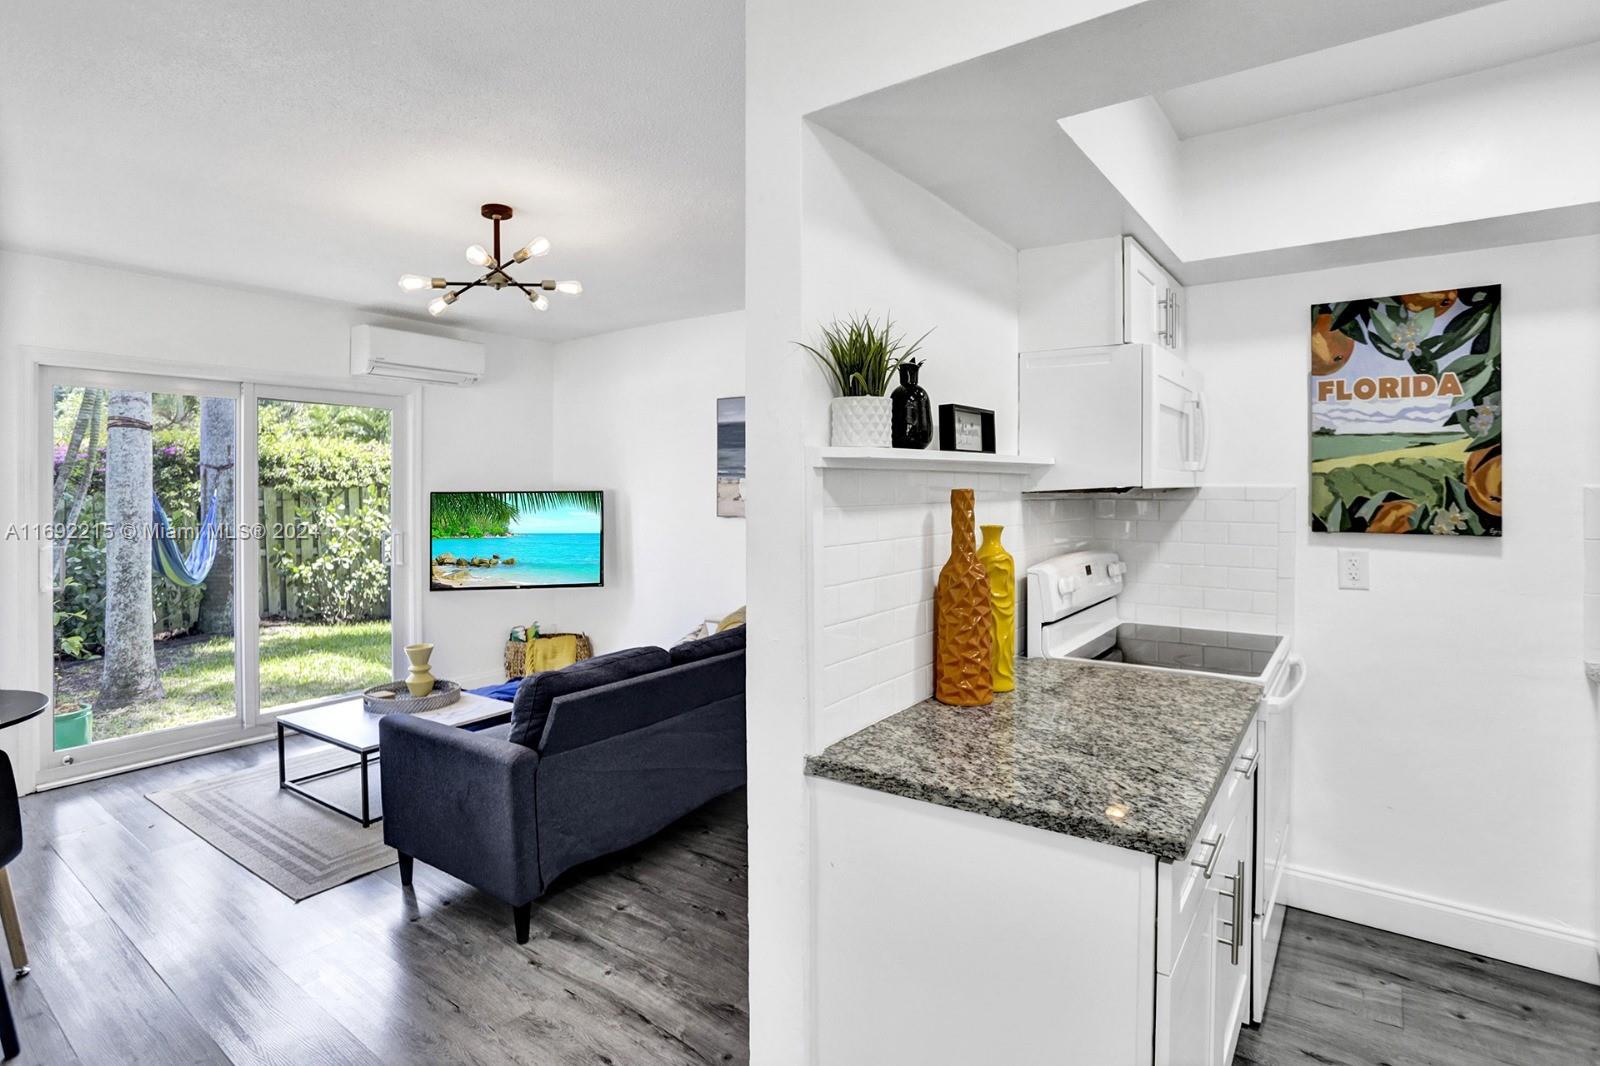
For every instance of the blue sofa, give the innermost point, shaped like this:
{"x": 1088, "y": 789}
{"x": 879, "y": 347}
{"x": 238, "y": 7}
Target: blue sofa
{"x": 595, "y": 758}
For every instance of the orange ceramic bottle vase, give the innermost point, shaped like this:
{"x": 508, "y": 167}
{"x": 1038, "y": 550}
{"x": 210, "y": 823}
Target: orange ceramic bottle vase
{"x": 1002, "y": 571}
{"x": 963, "y": 633}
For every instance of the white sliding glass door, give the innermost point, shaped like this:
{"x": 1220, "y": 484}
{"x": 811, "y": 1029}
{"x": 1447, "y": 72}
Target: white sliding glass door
{"x": 212, "y": 553}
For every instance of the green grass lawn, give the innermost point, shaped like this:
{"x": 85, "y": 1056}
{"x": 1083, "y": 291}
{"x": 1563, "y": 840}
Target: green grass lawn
{"x": 298, "y": 662}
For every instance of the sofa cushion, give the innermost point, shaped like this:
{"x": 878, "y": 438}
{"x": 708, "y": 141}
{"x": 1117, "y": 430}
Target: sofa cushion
{"x": 532, "y": 706}
{"x": 728, "y": 640}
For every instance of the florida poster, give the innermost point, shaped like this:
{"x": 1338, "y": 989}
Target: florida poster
{"x": 1405, "y": 414}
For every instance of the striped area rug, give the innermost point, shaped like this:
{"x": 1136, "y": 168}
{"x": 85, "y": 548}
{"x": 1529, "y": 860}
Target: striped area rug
{"x": 292, "y": 844}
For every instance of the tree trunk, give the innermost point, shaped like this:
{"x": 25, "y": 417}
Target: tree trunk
{"x": 129, "y": 674}
{"x": 216, "y": 477}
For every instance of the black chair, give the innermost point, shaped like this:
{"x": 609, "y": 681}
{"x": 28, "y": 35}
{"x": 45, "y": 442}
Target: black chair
{"x": 10, "y": 848}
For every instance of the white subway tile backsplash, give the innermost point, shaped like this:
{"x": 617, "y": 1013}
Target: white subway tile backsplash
{"x": 1227, "y": 600}
{"x": 1196, "y": 618}
{"x": 1230, "y": 555}
{"x": 1253, "y": 580}
{"x": 1215, "y": 577}
{"x": 1247, "y": 622}
{"x": 1204, "y": 532}
{"x": 1210, "y": 554}
{"x": 1182, "y": 552}
{"x": 1252, "y": 533}
{"x": 840, "y": 563}
{"x": 1230, "y": 511}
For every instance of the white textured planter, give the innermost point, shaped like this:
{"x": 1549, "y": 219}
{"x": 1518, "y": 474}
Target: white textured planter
{"x": 859, "y": 422}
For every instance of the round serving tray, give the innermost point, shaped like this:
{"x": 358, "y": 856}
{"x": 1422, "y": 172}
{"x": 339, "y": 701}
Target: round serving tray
{"x": 394, "y": 698}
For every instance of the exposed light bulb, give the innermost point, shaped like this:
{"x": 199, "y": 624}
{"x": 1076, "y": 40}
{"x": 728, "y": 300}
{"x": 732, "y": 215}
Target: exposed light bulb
{"x": 536, "y": 247}
{"x": 439, "y": 303}
{"x": 415, "y": 282}
{"x": 541, "y": 302}
{"x": 571, "y": 288}
{"x": 479, "y": 256}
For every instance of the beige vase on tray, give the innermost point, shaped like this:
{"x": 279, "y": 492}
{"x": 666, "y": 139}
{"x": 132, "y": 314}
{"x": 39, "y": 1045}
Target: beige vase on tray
{"x": 420, "y": 680}
{"x": 963, "y": 633}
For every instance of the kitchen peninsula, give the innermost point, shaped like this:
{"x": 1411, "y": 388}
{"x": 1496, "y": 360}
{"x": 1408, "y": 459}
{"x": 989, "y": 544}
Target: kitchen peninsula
{"x": 1063, "y": 876}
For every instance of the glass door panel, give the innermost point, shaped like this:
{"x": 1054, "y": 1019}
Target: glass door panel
{"x": 141, "y": 561}
{"x": 325, "y": 477}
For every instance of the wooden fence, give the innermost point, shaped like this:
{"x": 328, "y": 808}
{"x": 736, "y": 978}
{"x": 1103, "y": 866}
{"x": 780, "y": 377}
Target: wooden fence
{"x": 291, "y": 521}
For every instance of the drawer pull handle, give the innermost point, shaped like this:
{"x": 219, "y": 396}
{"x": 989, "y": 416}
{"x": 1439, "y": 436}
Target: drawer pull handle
{"x": 1209, "y": 866}
{"x": 1248, "y": 770}
{"x": 1235, "y": 926}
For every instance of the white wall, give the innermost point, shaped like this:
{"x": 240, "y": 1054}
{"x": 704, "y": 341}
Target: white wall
{"x": 877, "y": 242}
{"x": 1350, "y": 171}
{"x": 495, "y": 432}
{"x": 1446, "y": 743}
{"x": 635, "y": 415}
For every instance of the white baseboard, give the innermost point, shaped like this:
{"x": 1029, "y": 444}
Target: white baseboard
{"x": 1539, "y": 945}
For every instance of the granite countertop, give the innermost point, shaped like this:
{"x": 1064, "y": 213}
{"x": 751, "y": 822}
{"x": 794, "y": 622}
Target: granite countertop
{"x": 1072, "y": 740}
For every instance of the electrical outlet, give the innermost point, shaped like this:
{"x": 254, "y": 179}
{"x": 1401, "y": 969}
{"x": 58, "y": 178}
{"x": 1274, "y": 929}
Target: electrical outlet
{"x": 1352, "y": 569}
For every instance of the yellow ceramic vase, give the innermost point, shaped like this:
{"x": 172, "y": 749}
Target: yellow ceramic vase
{"x": 420, "y": 681}
{"x": 963, "y": 638}
{"x": 1002, "y": 573}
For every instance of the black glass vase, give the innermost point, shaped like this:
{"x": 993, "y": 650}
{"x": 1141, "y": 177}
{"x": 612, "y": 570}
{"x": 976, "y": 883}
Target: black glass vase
{"x": 911, "y": 413}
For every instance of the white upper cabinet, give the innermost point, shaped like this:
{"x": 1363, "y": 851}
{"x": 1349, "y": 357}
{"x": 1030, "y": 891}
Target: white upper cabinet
{"x": 1095, "y": 293}
{"x": 1152, "y": 300}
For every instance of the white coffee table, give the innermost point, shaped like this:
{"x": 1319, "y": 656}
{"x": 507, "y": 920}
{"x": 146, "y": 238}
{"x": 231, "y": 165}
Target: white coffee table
{"x": 348, "y": 725}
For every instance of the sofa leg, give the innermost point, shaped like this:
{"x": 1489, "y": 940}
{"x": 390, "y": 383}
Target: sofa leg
{"x": 522, "y": 914}
{"x": 405, "y": 869}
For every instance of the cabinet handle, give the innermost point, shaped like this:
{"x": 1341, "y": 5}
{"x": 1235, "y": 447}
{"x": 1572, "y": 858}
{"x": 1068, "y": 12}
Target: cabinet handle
{"x": 1164, "y": 334}
{"x": 1248, "y": 770}
{"x": 1209, "y": 866}
{"x": 1235, "y": 926}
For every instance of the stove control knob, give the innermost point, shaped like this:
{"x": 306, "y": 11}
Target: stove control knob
{"x": 1065, "y": 585}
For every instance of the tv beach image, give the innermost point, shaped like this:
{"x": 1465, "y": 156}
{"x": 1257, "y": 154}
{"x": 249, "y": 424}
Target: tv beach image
{"x": 511, "y": 540}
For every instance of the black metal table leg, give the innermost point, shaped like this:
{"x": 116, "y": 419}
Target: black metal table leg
{"x": 283, "y": 773}
{"x": 366, "y": 809}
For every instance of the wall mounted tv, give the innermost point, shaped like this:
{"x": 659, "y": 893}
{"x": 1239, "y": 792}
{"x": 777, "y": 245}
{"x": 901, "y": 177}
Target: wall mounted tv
{"x": 516, "y": 540}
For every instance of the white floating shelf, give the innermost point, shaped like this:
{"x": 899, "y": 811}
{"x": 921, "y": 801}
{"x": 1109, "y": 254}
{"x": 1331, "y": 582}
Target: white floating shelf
{"x": 926, "y": 459}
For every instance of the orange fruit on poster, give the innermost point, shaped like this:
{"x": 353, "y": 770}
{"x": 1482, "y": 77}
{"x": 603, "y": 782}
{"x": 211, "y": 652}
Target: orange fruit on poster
{"x": 1483, "y": 479}
{"x": 1393, "y": 517}
{"x": 1329, "y": 350}
{"x": 1421, "y": 301}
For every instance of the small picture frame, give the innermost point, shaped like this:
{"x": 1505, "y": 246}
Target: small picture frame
{"x": 965, "y": 429}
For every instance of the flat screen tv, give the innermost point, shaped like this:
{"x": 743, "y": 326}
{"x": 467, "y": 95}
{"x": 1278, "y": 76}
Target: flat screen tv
{"x": 516, "y": 540}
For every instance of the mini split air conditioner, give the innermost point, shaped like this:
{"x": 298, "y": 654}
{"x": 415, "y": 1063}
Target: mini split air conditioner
{"x": 397, "y": 353}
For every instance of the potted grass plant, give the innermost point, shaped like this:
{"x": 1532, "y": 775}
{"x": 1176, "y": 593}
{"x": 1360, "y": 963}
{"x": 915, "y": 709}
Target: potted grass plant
{"x": 859, "y": 356}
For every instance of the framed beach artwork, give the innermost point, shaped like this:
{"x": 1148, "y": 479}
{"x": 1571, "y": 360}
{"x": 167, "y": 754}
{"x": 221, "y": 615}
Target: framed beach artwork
{"x": 1406, "y": 414}
{"x": 730, "y": 457}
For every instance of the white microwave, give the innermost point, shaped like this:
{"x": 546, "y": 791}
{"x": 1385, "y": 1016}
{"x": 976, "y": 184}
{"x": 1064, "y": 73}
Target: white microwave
{"x": 1121, "y": 416}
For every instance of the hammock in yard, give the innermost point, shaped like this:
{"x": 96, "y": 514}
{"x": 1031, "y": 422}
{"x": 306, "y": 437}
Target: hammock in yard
{"x": 186, "y": 571}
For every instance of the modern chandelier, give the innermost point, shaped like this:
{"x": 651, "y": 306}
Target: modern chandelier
{"x": 497, "y": 276}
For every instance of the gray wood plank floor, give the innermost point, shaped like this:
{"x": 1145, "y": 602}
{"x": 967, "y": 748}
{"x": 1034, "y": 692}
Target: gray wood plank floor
{"x": 149, "y": 946}
{"x": 1347, "y": 995}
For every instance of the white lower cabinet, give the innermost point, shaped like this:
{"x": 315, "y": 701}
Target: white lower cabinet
{"x": 948, "y": 937}
{"x": 1205, "y": 903}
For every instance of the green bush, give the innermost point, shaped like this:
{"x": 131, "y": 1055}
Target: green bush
{"x": 346, "y": 581}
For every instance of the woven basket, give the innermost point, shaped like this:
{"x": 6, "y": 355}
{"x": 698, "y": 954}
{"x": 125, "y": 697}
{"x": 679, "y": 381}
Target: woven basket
{"x": 393, "y": 697}
{"x": 516, "y": 653}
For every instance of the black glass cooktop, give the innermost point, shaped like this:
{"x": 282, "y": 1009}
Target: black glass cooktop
{"x": 1181, "y": 648}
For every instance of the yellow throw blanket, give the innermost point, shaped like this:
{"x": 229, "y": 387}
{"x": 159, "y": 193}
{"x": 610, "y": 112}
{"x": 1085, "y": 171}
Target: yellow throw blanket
{"x": 551, "y": 653}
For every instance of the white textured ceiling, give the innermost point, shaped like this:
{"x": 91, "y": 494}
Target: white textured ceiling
{"x": 326, "y": 148}
{"x": 1464, "y": 43}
